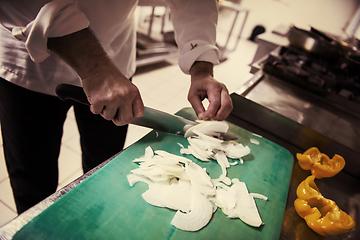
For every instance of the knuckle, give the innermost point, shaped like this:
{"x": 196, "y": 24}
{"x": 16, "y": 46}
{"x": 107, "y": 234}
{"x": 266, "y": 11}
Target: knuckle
{"x": 117, "y": 122}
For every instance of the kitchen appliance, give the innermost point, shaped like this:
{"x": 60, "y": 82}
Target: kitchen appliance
{"x": 317, "y": 91}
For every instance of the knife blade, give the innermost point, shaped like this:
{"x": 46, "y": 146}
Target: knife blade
{"x": 152, "y": 118}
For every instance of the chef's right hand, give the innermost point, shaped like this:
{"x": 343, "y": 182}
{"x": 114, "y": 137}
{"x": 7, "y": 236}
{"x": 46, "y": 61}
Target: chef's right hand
{"x": 112, "y": 95}
{"x": 109, "y": 92}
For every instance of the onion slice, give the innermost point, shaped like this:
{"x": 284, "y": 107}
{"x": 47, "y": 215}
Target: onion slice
{"x": 209, "y": 128}
{"x": 176, "y": 195}
{"x": 205, "y": 144}
{"x": 245, "y": 208}
{"x": 198, "y": 217}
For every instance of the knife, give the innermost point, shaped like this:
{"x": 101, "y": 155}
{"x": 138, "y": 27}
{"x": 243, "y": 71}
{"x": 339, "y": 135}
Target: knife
{"x": 152, "y": 118}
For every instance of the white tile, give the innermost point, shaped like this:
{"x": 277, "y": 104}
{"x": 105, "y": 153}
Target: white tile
{"x": 70, "y": 114}
{"x": 70, "y": 127}
{"x": 6, "y": 195}
{"x": 69, "y": 163}
{"x": 174, "y": 106}
{"x": 134, "y": 134}
{"x": 6, "y": 214}
{"x": 73, "y": 144}
{"x": 70, "y": 166}
{"x": 153, "y": 103}
{"x": 143, "y": 86}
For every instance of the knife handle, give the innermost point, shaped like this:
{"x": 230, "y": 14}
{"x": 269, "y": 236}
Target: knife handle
{"x": 66, "y": 91}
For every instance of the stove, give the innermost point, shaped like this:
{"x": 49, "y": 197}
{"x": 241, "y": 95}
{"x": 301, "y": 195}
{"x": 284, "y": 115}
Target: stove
{"x": 334, "y": 80}
{"x": 309, "y": 98}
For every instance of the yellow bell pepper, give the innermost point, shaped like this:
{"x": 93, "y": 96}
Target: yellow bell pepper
{"x": 319, "y": 163}
{"x": 322, "y": 215}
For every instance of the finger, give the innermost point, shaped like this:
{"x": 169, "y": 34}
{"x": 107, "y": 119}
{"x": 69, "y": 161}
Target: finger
{"x": 97, "y": 108}
{"x": 137, "y": 111}
{"x": 196, "y": 103}
{"x": 214, "y": 97}
{"x": 226, "y": 106}
{"x": 117, "y": 119}
{"x": 124, "y": 115}
{"x": 198, "y": 108}
{"x": 138, "y": 107}
{"x": 109, "y": 112}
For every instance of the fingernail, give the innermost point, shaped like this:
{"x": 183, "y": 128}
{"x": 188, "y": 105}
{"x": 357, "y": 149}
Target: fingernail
{"x": 200, "y": 116}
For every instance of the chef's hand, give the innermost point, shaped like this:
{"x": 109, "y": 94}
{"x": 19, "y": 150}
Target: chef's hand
{"x": 109, "y": 92}
{"x": 113, "y": 96}
{"x": 203, "y": 85}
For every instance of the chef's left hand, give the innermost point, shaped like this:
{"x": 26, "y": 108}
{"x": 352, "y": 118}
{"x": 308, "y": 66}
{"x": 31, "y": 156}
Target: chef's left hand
{"x": 203, "y": 85}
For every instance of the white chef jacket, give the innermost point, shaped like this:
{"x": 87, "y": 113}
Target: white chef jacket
{"x": 26, "y": 25}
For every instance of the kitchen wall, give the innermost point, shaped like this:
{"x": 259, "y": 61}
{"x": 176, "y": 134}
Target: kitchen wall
{"x": 326, "y": 15}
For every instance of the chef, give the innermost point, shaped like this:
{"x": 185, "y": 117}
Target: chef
{"x": 90, "y": 44}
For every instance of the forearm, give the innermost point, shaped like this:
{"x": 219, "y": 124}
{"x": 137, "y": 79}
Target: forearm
{"x": 81, "y": 51}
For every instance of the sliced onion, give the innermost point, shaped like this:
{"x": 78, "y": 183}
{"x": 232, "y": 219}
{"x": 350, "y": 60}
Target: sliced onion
{"x": 260, "y": 196}
{"x": 150, "y": 197}
{"x": 149, "y": 153}
{"x": 167, "y": 155}
{"x": 236, "y": 150}
{"x": 254, "y": 141}
{"x": 204, "y": 146}
{"x": 200, "y": 180}
{"x": 208, "y": 138}
{"x": 199, "y": 154}
{"x": 225, "y": 200}
{"x": 245, "y": 208}
{"x": 234, "y": 163}
{"x": 198, "y": 217}
{"x": 178, "y": 183}
{"x": 257, "y": 135}
{"x": 176, "y": 195}
{"x": 210, "y": 128}
{"x": 222, "y": 159}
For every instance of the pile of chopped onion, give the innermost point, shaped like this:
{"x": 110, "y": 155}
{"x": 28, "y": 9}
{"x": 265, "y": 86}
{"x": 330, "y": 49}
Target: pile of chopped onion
{"x": 177, "y": 183}
{"x": 206, "y": 143}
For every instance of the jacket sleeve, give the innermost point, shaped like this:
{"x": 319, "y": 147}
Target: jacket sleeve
{"x": 55, "y": 19}
{"x": 195, "y": 23}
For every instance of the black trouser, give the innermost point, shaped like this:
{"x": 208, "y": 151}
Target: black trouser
{"x": 32, "y": 127}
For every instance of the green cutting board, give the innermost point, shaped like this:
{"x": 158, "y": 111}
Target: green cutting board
{"x": 104, "y": 206}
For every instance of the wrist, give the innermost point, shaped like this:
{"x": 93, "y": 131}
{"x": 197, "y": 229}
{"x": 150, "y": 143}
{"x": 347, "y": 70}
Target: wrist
{"x": 202, "y": 68}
